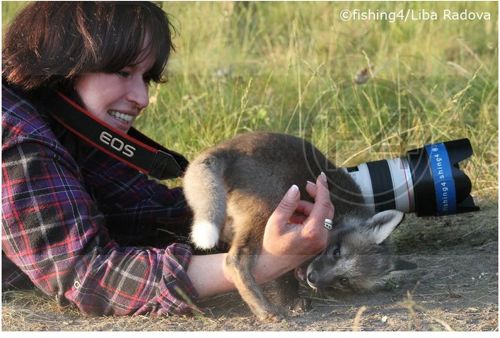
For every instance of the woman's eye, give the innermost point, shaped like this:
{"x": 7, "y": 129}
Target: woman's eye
{"x": 123, "y": 73}
{"x": 147, "y": 79}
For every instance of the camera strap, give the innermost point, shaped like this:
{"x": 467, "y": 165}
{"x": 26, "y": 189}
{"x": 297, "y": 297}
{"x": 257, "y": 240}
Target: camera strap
{"x": 132, "y": 148}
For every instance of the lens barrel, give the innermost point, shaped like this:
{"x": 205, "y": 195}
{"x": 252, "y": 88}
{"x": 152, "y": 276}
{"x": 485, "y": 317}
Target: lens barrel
{"x": 427, "y": 181}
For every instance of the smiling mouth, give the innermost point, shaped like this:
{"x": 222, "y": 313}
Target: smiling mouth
{"x": 120, "y": 116}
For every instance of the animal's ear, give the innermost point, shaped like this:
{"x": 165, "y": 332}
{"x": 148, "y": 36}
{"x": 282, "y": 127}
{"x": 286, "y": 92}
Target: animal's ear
{"x": 382, "y": 224}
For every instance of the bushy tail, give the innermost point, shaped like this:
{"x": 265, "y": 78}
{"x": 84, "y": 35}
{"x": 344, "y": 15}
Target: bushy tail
{"x": 205, "y": 194}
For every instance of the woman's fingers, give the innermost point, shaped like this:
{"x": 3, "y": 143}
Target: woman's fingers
{"x": 311, "y": 189}
{"x": 287, "y": 206}
{"x": 323, "y": 207}
{"x": 313, "y": 228}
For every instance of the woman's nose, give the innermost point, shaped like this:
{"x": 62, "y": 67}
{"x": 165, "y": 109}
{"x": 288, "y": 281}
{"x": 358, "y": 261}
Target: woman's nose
{"x": 138, "y": 93}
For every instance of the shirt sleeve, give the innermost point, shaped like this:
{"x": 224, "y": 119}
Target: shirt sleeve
{"x": 137, "y": 209}
{"x": 53, "y": 231}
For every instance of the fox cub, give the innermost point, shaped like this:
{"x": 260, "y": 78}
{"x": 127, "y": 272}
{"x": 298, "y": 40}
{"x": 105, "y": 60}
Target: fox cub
{"x": 234, "y": 187}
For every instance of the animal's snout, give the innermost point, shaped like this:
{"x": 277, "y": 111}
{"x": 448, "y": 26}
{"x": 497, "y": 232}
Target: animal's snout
{"x": 312, "y": 279}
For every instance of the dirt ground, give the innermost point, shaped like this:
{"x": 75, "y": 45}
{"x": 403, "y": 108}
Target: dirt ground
{"x": 455, "y": 287}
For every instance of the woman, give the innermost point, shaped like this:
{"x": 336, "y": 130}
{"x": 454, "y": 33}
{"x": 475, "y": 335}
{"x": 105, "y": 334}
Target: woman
{"x": 78, "y": 223}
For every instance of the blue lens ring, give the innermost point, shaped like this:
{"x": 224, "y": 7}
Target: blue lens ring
{"x": 444, "y": 184}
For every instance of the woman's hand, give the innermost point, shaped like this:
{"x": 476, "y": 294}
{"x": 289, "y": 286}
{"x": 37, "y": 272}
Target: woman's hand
{"x": 294, "y": 233}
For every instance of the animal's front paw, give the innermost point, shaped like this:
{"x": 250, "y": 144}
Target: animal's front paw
{"x": 301, "y": 305}
{"x": 271, "y": 317}
{"x": 273, "y": 314}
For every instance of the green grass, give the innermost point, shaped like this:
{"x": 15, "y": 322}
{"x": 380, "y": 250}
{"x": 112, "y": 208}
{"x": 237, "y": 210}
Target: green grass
{"x": 289, "y": 67}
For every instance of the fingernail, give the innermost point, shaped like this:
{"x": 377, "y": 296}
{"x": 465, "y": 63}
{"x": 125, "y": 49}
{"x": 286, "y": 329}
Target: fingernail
{"x": 311, "y": 183}
{"x": 292, "y": 192}
{"x": 323, "y": 179}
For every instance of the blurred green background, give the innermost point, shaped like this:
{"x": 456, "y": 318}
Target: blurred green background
{"x": 360, "y": 89}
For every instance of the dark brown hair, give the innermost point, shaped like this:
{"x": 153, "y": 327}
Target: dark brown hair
{"x": 49, "y": 43}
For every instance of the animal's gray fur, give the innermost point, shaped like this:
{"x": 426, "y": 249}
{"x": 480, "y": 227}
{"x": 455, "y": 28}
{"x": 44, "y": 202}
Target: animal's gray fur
{"x": 234, "y": 187}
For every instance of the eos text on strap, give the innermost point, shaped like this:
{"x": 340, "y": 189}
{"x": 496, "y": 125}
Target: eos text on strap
{"x": 133, "y": 148}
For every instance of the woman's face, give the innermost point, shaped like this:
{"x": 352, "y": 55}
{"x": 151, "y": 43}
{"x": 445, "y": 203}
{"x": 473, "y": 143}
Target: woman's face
{"x": 116, "y": 98}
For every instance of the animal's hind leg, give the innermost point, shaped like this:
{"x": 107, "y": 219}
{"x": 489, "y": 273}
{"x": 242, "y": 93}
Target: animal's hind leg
{"x": 240, "y": 260}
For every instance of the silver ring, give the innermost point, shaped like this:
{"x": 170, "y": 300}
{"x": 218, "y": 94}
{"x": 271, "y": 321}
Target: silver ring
{"x": 328, "y": 224}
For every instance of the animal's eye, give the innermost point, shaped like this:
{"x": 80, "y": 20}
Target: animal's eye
{"x": 344, "y": 281}
{"x": 336, "y": 251}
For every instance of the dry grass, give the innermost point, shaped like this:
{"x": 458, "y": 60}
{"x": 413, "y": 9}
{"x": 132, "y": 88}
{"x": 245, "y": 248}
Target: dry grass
{"x": 454, "y": 288}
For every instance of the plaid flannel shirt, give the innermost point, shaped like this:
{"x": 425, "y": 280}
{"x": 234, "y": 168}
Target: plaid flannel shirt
{"x": 62, "y": 201}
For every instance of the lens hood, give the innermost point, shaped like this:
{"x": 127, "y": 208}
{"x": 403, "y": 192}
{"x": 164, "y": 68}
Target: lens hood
{"x": 440, "y": 187}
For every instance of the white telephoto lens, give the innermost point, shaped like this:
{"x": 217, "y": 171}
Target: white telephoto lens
{"x": 362, "y": 178}
{"x": 398, "y": 180}
{"x": 402, "y": 184}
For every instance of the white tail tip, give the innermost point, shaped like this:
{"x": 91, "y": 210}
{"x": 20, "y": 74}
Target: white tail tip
{"x": 205, "y": 235}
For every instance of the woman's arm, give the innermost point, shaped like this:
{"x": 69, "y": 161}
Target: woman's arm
{"x": 55, "y": 233}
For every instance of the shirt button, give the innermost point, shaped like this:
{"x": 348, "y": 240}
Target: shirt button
{"x": 77, "y": 285}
